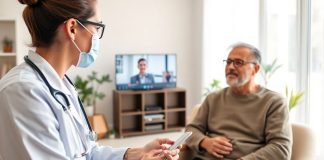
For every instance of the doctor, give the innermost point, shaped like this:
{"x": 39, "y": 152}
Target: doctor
{"x": 41, "y": 116}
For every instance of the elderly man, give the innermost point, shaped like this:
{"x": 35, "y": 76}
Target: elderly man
{"x": 243, "y": 121}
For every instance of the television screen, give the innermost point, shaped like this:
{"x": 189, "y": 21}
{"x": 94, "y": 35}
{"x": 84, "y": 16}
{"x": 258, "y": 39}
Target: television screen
{"x": 145, "y": 71}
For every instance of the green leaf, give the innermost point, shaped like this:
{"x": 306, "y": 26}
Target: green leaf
{"x": 100, "y": 95}
{"x": 267, "y": 70}
{"x": 88, "y": 89}
{"x": 214, "y": 85}
{"x": 294, "y": 98}
{"x": 286, "y": 90}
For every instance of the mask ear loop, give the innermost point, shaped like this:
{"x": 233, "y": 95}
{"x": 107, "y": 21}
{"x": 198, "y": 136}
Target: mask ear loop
{"x": 92, "y": 34}
{"x": 76, "y": 46}
{"x": 80, "y": 52}
{"x": 73, "y": 40}
{"x": 84, "y": 27}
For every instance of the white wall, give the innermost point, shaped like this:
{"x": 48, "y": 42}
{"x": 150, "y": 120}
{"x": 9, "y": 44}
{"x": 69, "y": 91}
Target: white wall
{"x": 159, "y": 26}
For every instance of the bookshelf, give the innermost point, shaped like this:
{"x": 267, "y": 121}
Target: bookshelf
{"x": 8, "y": 58}
{"x": 147, "y": 112}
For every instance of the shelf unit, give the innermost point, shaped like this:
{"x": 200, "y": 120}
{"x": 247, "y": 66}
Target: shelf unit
{"x": 8, "y": 28}
{"x": 129, "y": 111}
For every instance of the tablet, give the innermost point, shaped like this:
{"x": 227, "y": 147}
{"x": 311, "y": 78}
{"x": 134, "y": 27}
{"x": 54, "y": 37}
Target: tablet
{"x": 180, "y": 140}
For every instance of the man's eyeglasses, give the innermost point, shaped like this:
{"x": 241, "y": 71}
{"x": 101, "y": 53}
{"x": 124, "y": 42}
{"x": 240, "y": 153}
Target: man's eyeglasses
{"x": 99, "y": 26}
{"x": 237, "y": 62}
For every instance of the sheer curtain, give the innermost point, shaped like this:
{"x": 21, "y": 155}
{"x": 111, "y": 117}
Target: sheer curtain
{"x": 278, "y": 39}
{"x": 294, "y": 33}
{"x": 316, "y": 85}
{"x": 226, "y": 22}
{"x": 291, "y": 31}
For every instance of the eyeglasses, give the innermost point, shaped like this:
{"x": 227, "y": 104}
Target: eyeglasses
{"x": 99, "y": 26}
{"x": 237, "y": 62}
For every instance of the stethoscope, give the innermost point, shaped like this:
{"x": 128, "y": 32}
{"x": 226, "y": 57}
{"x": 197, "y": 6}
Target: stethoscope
{"x": 55, "y": 93}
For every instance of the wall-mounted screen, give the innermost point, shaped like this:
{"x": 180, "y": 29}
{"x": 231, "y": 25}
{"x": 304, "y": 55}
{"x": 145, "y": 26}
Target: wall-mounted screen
{"x": 145, "y": 71}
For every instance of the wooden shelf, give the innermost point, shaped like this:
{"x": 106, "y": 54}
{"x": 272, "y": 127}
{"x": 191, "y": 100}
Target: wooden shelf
{"x": 7, "y": 54}
{"x": 153, "y": 112}
{"x": 129, "y": 111}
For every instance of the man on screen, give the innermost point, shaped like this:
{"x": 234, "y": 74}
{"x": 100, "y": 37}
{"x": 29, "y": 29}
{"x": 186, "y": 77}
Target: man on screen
{"x": 142, "y": 77}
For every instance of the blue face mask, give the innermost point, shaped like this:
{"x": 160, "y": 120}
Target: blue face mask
{"x": 86, "y": 59}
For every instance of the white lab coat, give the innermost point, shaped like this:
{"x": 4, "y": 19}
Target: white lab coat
{"x": 33, "y": 124}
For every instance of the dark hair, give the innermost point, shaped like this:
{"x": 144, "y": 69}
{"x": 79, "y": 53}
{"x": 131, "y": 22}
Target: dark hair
{"x": 140, "y": 60}
{"x": 254, "y": 51}
{"x": 43, "y": 17}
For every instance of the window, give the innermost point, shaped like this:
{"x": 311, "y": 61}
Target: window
{"x": 225, "y": 23}
{"x": 316, "y": 85}
{"x": 291, "y": 31}
{"x": 278, "y": 40}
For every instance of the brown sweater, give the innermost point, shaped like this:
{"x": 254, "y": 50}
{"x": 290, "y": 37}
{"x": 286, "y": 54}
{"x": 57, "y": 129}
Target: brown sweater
{"x": 257, "y": 124}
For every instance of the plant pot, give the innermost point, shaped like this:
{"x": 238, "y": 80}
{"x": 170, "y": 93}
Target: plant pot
{"x": 7, "y": 48}
{"x": 112, "y": 136}
{"x": 89, "y": 110}
{"x": 99, "y": 125}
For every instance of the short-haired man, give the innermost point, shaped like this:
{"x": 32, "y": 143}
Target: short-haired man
{"x": 142, "y": 77}
{"x": 243, "y": 121}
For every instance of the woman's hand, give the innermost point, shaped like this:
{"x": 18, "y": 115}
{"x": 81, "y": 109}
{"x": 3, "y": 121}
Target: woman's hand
{"x": 157, "y": 144}
{"x": 159, "y": 154}
{"x": 156, "y": 150}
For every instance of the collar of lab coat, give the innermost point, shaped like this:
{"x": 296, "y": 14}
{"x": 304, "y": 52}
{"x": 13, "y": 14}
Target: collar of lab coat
{"x": 55, "y": 81}
{"x": 51, "y": 75}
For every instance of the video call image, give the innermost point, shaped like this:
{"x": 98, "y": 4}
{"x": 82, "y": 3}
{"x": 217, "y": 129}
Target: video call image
{"x": 145, "y": 71}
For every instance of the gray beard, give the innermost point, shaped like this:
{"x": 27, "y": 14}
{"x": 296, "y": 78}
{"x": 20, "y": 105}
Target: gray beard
{"x": 238, "y": 83}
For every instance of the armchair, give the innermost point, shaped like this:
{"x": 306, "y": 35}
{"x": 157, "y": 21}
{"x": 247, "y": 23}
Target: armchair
{"x": 303, "y": 141}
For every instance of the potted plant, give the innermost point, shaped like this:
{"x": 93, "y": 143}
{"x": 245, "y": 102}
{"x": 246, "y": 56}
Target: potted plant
{"x": 112, "y": 134}
{"x": 88, "y": 90}
{"x": 7, "y": 45}
{"x": 268, "y": 70}
{"x": 214, "y": 85}
{"x": 293, "y": 98}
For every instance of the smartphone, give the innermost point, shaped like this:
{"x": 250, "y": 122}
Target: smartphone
{"x": 180, "y": 140}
